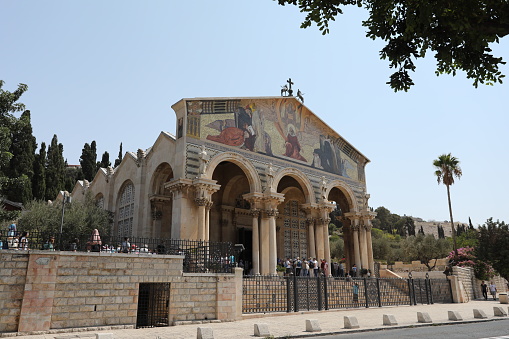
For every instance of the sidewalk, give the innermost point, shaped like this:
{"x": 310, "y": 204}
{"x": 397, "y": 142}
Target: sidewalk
{"x": 294, "y": 324}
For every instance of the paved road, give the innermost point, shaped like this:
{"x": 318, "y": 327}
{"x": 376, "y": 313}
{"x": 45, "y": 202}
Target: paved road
{"x": 491, "y": 329}
{"x": 331, "y": 322}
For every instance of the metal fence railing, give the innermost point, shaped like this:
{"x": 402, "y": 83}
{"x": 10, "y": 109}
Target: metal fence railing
{"x": 199, "y": 256}
{"x": 264, "y": 294}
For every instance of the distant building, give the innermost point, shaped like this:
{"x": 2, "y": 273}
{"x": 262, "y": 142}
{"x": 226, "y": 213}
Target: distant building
{"x": 264, "y": 171}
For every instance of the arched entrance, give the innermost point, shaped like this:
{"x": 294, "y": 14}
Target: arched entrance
{"x": 160, "y": 203}
{"x": 230, "y": 214}
{"x": 292, "y": 234}
{"x": 342, "y": 204}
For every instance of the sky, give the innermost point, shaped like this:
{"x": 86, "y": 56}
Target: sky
{"x": 110, "y": 71}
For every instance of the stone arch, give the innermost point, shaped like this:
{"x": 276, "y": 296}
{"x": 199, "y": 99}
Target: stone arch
{"x": 346, "y": 190}
{"x": 228, "y": 188}
{"x": 301, "y": 178}
{"x": 161, "y": 175}
{"x": 242, "y": 162}
{"x": 99, "y": 200}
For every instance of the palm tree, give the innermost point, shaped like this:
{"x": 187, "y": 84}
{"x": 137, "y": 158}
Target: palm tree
{"x": 447, "y": 168}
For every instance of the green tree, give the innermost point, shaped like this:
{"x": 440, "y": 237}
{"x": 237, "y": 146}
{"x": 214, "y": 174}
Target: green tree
{"x": 11, "y": 186}
{"x": 39, "y": 178}
{"x": 446, "y": 169}
{"x": 337, "y": 247}
{"x": 119, "y": 159}
{"x": 493, "y": 246}
{"x": 21, "y": 166}
{"x": 426, "y": 248}
{"x": 72, "y": 175}
{"x": 459, "y": 33}
{"x": 55, "y": 167}
{"x": 88, "y": 161}
{"x": 80, "y": 217}
{"x": 105, "y": 161}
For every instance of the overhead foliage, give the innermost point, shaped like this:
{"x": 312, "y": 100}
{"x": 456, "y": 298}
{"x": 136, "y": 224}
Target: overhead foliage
{"x": 459, "y": 33}
{"x": 493, "y": 246}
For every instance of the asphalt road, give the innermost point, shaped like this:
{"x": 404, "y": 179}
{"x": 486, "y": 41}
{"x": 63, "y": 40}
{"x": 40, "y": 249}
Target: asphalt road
{"x": 489, "y": 329}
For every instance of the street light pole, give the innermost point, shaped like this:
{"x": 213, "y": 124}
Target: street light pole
{"x": 65, "y": 198}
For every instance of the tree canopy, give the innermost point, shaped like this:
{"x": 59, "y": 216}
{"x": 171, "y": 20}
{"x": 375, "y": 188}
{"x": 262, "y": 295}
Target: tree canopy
{"x": 459, "y": 33}
{"x": 493, "y": 246}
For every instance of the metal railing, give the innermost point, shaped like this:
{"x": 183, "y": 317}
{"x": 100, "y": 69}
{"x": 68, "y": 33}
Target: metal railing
{"x": 199, "y": 256}
{"x": 264, "y": 294}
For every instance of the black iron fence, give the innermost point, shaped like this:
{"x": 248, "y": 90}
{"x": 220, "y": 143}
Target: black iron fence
{"x": 199, "y": 256}
{"x": 264, "y": 294}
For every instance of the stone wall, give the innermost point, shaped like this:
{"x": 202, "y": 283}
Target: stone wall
{"x": 43, "y": 290}
{"x": 472, "y": 286}
{"x": 13, "y": 268}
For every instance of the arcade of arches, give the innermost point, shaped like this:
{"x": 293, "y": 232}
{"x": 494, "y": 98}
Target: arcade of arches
{"x": 262, "y": 172}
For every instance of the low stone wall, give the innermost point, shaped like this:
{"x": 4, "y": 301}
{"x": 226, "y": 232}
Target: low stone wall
{"x": 472, "y": 286}
{"x": 41, "y": 290}
{"x": 416, "y": 266}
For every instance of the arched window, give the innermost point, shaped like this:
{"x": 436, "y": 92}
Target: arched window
{"x": 125, "y": 210}
{"x": 99, "y": 200}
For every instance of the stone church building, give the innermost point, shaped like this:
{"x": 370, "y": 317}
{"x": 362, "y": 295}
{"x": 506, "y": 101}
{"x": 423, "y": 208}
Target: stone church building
{"x": 264, "y": 172}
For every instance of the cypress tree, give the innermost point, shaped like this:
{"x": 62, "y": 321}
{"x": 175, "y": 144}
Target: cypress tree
{"x": 22, "y": 163}
{"x": 88, "y": 161}
{"x": 93, "y": 159}
{"x": 119, "y": 159}
{"x": 39, "y": 179}
{"x": 105, "y": 161}
{"x": 55, "y": 165}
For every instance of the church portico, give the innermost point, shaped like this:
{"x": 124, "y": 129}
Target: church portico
{"x": 262, "y": 172}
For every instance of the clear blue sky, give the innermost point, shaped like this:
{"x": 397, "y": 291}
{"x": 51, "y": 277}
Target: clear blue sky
{"x": 109, "y": 71}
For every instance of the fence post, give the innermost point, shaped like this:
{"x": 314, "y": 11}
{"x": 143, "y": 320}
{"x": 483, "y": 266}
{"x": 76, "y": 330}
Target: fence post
{"x": 295, "y": 295}
{"x": 410, "y": 288}
{"x": 413, "y": 288}
{"x": 325, "y": 293}
{"x": 288, "y": 295}
{"x": 319, "y": 292}
{"x": 378, "y": 292}
{"x": 366, "y": 292}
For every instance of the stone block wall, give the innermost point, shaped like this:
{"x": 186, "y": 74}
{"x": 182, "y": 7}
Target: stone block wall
{"x": 44, "y": 290}
{"x": 13, "y": 270}
{"x": 472, "y": 286}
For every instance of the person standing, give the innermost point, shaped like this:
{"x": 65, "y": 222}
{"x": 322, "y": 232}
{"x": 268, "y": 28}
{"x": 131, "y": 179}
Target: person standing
{"x": 23, "y": 241}
{"x": 493, "y": 290}
{"x": 356, "y": 293}
{"x": 316, "y": 267}
{"x": 484, "y": 289}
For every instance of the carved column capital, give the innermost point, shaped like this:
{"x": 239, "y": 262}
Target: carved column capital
{"x": 271, "y": 212}
{"x": 255, "y": 212}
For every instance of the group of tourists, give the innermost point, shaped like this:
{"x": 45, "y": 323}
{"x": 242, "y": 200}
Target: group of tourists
{"x": 312, "y": 267}
{"x": 14, "y": 240}
{"x": 493, "y": 290}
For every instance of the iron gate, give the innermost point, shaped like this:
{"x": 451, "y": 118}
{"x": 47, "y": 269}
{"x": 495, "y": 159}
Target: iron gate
{"x": 153, "y": 305}
{"x": 263, "y": 294}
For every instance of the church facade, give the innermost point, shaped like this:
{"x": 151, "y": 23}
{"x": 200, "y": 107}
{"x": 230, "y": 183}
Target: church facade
{"x": 264, "y": 172}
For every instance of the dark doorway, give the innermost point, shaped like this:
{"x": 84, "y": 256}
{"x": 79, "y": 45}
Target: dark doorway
{"x": 245, "y": 237}
{"x": 153, "y": 305}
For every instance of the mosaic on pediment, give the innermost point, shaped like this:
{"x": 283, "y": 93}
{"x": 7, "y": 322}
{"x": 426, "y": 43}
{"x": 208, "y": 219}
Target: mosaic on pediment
{"x": 281, "y": 128}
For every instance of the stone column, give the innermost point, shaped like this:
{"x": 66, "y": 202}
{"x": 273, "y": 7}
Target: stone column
{"x": 264, "y": 245}
{"x": 371, "y": 262}
{"x": 311, "y": 234}
{"x": 201, "y": 217}
{"x": 272, "y": 241}
{"x": 204, "y": 188}
{"x": 364, "y": 247}
{"x": 207, "y": 220}
{"x": 357, "y": 259}
{"x": 256, "y": 242}
{"x": 326, "y": 242}
{"x": 320, "y": 251}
